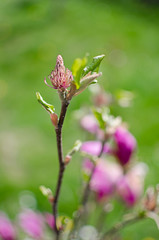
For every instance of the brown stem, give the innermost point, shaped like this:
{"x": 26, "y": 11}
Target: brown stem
{"x": 61, "y": 164}
{"x": 121, "y": 225}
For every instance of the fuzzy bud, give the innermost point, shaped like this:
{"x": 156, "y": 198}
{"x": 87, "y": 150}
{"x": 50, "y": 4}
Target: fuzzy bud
{"x": 59, "y": 77}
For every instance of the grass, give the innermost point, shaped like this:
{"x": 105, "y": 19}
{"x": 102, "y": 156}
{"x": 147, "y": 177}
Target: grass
{"x": 33, "y": 33}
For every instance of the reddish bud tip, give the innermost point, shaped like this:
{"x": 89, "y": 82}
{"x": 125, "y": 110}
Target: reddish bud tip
{"x": 54, "y": 119}
{"x": 67, "y": 159}
{"x": 51, "y": 199}
{"x": 60, "y": 77}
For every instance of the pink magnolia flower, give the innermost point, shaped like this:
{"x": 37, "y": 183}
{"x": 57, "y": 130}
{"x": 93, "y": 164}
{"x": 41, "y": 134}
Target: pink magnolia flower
{"x": 60, "y": 78}
{"x": 7, "y": 231}
{"x": 102, "y": 98}
{"x": 31, "y": 223}
{"x": 125, "y": 145}
{"x": 104, "y": 178}
{"x": 50, "y": 220}
{"x": 89, "y": 123}
{"x": 130, "y": 186}
{"x": 94, "y": 148}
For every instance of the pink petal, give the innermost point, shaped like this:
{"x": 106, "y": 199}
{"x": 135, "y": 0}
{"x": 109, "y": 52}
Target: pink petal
{"x": 7, "y": 231}
{"x": 31, "y": 223}
{"x": 126, "y": 144}
{"x": 94, "y": 148}
{"x": 89, "y": 123}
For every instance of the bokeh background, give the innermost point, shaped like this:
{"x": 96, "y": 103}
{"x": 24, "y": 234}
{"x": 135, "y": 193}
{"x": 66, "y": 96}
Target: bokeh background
{"x": 32, "y": 34}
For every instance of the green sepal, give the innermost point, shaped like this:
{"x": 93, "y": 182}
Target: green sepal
{"x": 77, "y": 68}
{"x": 48, "y": 107}
{"x": 94, "y": 65}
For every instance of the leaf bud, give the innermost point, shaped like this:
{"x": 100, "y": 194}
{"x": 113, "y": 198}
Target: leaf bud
{"x": 47, "y": 193}
{"x": 54, "y": 119}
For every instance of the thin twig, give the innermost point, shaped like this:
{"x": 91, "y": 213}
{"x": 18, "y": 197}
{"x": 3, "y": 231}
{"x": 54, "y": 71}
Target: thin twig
{"x": 61, "y": 164}
{"x": 119, "y": 226}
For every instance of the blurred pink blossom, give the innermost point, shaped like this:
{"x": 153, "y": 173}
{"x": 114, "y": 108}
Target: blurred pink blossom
{"x": 94, "y": 148}
{"x": 104, "y": 178}
{"x": 50, "y": 220}
{"x": 130, "y": 186}
{"x": 89, "y": 123}
{"x": 31, "y": 223}
{"x": 125, "y": 145}
{"x": 7, "y": 231}
{"x": 102, "y": 98}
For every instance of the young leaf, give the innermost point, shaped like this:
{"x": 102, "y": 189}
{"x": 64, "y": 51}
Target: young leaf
{"x": 94, "y": 66}
{"x": 99, "y": 117}
{"x": 76, "y": 148}
{"x": 77, "y": 69}
{"x": 86, "y": 81}
{"x": 48, "y": 107}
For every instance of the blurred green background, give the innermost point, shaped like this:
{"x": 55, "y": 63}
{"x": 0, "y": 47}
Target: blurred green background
{"x": 32, "y": 34}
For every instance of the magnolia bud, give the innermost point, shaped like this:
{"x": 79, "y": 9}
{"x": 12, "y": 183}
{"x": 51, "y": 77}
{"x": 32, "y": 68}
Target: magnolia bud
{"x": 51, "y": 199}
{"x": 54, "y": 119}
{"x": 59, "y": 77}
{"x": 67, "y": 159}
{"x": 47, "y": 193}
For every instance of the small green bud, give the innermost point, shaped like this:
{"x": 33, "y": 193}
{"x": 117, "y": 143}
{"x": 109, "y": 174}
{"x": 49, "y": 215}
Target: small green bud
{"x": 47, "y": 193}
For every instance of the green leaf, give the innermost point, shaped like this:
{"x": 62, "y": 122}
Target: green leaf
{"x": 94, "y": 66}
{"x": 77, "y": 68}
{"x": 48, "y": 107}
{"x": 86, "y": 81}
{"x": 75, "y": 148}
{"x": 99, "y": 116}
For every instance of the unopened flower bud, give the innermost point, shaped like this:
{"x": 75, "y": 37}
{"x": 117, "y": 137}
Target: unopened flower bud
{"x": 54, "y": 119}
{"x": 125, "y": 145}
{"x": 59, "y": 77}
{"x": 67, "y": 159}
